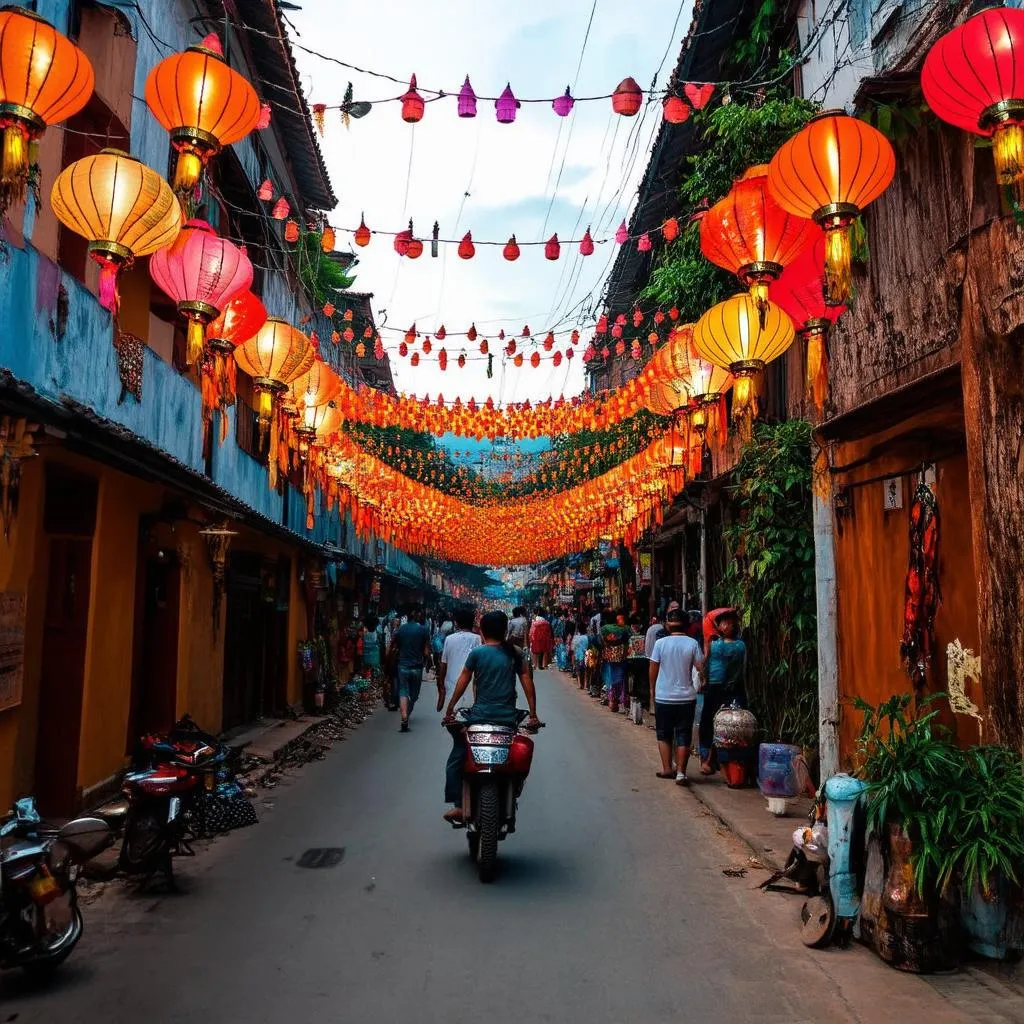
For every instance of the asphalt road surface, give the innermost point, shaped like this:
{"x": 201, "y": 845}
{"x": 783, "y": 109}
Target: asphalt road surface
{"x": 611, "y": 906}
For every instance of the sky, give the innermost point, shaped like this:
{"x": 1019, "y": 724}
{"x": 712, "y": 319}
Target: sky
{"x": 540, "y": 175}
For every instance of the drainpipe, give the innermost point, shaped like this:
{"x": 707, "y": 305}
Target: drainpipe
{"x": 825, "y": 590}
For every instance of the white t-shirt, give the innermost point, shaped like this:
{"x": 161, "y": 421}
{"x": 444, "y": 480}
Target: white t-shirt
{"x": 677, "y": 656}
{"x": 653, "y": 635}
{"x": 456, "y": 650}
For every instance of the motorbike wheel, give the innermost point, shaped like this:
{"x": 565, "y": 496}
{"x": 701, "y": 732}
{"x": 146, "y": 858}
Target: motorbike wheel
{"x": 58, "y": 947}
{"x": 145, "y": 845}
{"x": 474, "y": 845}
{"x": 487, "y": 854}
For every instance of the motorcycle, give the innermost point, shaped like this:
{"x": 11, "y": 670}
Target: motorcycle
{"x": 40, "y": 920}
{"x": 497, "y": 763}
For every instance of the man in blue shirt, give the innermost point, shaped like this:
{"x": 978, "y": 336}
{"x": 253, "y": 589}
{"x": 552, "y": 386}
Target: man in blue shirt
{"x": 411, "y": 645}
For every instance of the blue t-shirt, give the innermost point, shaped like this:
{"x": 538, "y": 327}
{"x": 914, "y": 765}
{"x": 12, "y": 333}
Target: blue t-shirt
{"x": 580, "y": 643}
{"x": 411, "y": 639}
{"x": 726, "y": 659}
{"x": 494, "y": 675}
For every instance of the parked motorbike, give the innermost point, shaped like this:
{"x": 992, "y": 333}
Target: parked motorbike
{"x": 498, "y": 759}
{"x": 40, "y": 920}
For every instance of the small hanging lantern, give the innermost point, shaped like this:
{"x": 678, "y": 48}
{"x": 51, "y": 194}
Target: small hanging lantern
{"x": 203, "y": 103}
{"x": 378, "y": 348}
{"x": 586, "y": 244}
{"x": 670, "y": 230}
{"x": 415, "y": 250}
{"x": 467, "y": 250}
{"x": 675, "y": 109}
{"x": 622, "y": 234}
{"x": 549, "y": 341}
{"x": 511, "y": 250}
{"x": 462, "y": 360}
{"x": 627, "y": 98}
{"x": 44, "y": 79}
{"x": 319, "y": 116}
{"x": 348, "y": 334}
{"x": 412, "y": 104}
{"x": 471, "y": 333}
{"x": 643, "y": 243}
{"x": 122, "y": 207}
{"x": 467, "y": 100}
{"x": 281, "y": 209}
{"x": 699, "y": 95}
{"x": 506, "y": 105}
{"x": 552, "y": 249}
{"x": 328, "y": 239}
{"x": 517, "y": 360}
{"x": 484, "y": 347}
{"x": 828, "y": 172}
{"x": 535, "y": 360}
{"x": 602, "y": 324}
{"x": 442, "y": 359}
{"x": 291, "y": 231}
{"x": 526, "y": 330}
{"x": 414, "y": 359}
{"x": 362, "y": 235}
{"x": 562, "y": 105}
{"x": 427, "y": 346}
{"x": 266, "y": 191}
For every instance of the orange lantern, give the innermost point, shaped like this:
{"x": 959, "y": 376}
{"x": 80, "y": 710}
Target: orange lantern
{"x": 829, "y": 171}
{"x": 203, "y": 103}
{"x": 627, "y": 98}
{"x": 124, "y": 208}
{"x": 362, "y": 235}
{"x": 739, "y": 336}
{"x": 328, "y": 239}
{"x": 749, "y": 234}
{"x": 44, "y": 79}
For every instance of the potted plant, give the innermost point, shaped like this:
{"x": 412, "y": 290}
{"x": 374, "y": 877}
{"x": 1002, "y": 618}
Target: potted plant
{"x": 976, "y": 840}
{"x": 911, "y": 767}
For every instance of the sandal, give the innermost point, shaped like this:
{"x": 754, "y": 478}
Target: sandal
{"x": 666, "y": 775}
{"x": 454, "y": 816}
{"x": 706, "y": 769}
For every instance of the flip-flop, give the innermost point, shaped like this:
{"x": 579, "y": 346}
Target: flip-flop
{"x": 453, "y": 817}
{"x": 665, "y": 775}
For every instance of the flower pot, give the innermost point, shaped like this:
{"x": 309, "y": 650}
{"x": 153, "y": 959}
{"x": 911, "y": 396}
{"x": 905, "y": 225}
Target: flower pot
{"x": 993, "y": 922}
{"x": 915, "y": 932}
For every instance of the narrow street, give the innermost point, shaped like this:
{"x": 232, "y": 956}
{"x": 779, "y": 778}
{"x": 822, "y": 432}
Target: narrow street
{"x": 611, "y": 906}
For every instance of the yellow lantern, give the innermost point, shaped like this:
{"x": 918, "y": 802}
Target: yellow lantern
{"x": 739, "y": 336}
{"x": 124, "y": 208}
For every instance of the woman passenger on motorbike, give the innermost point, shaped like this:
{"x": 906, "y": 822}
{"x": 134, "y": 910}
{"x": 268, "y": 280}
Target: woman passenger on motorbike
{"x": 493, "y": 668}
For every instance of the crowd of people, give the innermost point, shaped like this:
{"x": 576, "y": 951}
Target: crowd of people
{"x": 665, "y": 667}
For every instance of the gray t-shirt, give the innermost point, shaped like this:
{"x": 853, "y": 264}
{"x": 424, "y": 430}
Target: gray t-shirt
{"x": 411, "y": 639}
{"x": 494, "y": 672}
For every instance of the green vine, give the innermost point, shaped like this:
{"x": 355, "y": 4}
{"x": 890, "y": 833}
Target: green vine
{"x": 323, "y": 278}
{"x": 769, "y": 576}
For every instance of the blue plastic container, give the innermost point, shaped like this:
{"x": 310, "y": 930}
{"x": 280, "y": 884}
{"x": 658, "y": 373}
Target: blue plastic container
{"x": 776, "y": 770}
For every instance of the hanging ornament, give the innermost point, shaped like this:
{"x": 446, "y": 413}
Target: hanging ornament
{"x": 698, "y": 95}
{"x": 403, "y": 349}
{"x": 415, "y": 250}
{"x": 462, "y": 360}
{"x": 634, "y": 349}
{"x": 602, "y": 324}
{"x": 410, "y": 335}
{"x": 281, "y": 209}
{"x": 319, "y": 115}
{"x": 263, "y": 121}
{"x": 467, "y": 250}
{"x": 501, "y": 334}
{"x": 348, "y": 334}
{"x": 549, "y": 341}
{"x": 490, "y": 367}
{"x": 518, "y": 360}
{"x": 556, "y": 359}
{"x": 620, "y": 347}
{"x": 467, "y": 100}
{"x": 434, "y": 239}
{"x": 511, "y": 250}
{"x": 622, "y": 234}
{"x": 427, "y": 346}
{"x": 352, "y": 108}
{"x": 378, "y": 348}
{"x": 617, "y": 330}
{"x": 362, "y": 235}
{"x": 675, "y": 109}
{"x": 670, "y": 230}
{"x": 552, "y": 249}
{"x": 659, "y": 317}
{"x": 638, "y": 318}
{"x": 265, "y": 191}
{"x": 442, "y": 359}
{"x": 673, "y": 313}
{"x": 586, "y": 244}
{"x": 291, "y": 231}
{"x": 327, "y": 239}
{"x": 588, "y": 353}
{"x": 415, "y": 359}
{"x": 505, "y": 106}
{"x": 643, "y": 243}
{"x": 627, "y": 98}
{"x": 360, "y": 350}
{"x": 605, "y": 352}
{"x": 535, "y": 360}
{"x": 526, "y": 331}
{"x": 471, "y": 333}
{"x": 441, "y": 333}
{"x": 653, "y": 338}
{"x": 412, "y": 104}
{"x": 510, "y": 348}
{"x": 483, "y": 347}
{"x": 574, "y": 338}
{"x": 347, "y": 315}
{"x": 402, "y": 241}
{"x": 335, "y": 338}
{"x": 562, "y": 105}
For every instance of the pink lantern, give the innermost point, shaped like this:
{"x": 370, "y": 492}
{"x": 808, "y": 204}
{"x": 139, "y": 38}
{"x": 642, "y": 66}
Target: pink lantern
{"x": 586, "y": 244}
{"x": 562, "y": 105}
{"x": 622, "y": 234}
{"x": 201, "y": 272}
{"x": 506, "y": 106}
{"x": 552, "y": 250}
{"x": 467, "y": 100}
{"x": 644, "y": 243}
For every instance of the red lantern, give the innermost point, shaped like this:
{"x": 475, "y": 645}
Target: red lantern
{"x": 462, "y": 360}
{"x": 483, "y": 347}
{"x": 471, "y": 333}
{"x": 281, "y": 209}
{"x": 670, "y": 230}
{"x": 627, "y": 98}
{"x": 972, "y": 79}
{"x": 266, "y": 191}
{"x": 441, "y": 333}
{"x": 675, "y": 109}
{"x": 415, "y": 250}
{"x": 427, "y": 346}
{"x": 644, "y": 243}
{"x": 348, "y": 334}
{"x": 586, "y": 244}
{"x": 291, "y": 231}
{"x": 511, "y": 250}
{"x": 518, "y": 360}
{"x": 557, "y": 359}
{"x": 362, "y": 235}
{"x": 442, "y": 359}
{"x": 549, "y": 341}
{"x": 402, "y": 241}
{"x": 415, "y": 360}
{"x": 535, "y": 360}
{"x": 412, "y": 103}
{"x": 403, "y": 349}
{"x": 327, "y": 239}
{"x": 552, "y": 249}
{"x": 699, "y": 95}
{"x": 467, "y": 250}
{"x": 241, "y": 317}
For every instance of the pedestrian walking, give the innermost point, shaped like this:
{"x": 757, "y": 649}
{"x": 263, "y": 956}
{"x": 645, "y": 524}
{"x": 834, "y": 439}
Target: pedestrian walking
{"x": 410, "y": 652}
{"x": 655, "y": 632}
{"x": 725, "y": 671}
{"x": 542, "y": 640}
{"x": 675, "y": 660}
{"x": 580, "y": 645}
{"x": 636, "y": 662}
{"x": 371, "y": 648}
{"x": 614, "y": 639}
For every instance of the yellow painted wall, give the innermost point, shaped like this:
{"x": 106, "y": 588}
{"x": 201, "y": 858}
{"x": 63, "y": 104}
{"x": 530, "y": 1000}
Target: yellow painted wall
{"x": 23, "y": 569}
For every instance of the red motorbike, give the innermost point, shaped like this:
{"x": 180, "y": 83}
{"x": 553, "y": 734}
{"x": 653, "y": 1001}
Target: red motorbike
{"x": 498, "y": 759}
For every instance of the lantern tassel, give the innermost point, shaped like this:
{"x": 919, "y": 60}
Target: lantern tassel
{"x": 1008, "y": 154}
{"x": 195, "y": 336}
{"x": 838, "y": 265}
{"x": 744, "y": 405}
{"x": 13, "y": 166}
{"x": 108, "y": 295}
{"x": 817, "y": 369}
{"x": 187, "y": 169}
{"x": 272, "y": 454}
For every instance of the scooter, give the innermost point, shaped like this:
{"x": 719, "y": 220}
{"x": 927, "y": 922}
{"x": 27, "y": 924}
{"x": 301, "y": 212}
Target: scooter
{"x": 498, "y": 760}
{"x": 40, "y": 921}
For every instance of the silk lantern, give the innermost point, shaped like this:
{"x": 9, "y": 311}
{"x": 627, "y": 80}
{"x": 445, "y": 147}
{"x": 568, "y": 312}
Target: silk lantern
{"x": 362, "y": 233}
{"x": 412, "y": 104}
{"x": 44, "y": 79}
{"x": 586, "y": 244}
{"x": 122, "y": 207}
{"x": 627, "y": 98}
{"x": 467, "y": 250}
{"x": 675, "y": 109}
{"x": 972, "y": 78}
{"x": 203, "y": 103}
{"x": 241, "y": 317}
{"x": 506, "y": 105}
{"x": 467, "y": 100}
{"x": 562, "y": 105}
{"x": 552, "y": 249}
{"x": 739, "y": 336}
{"x": 829, "y": 171}
{"x": 200, "y": 272}
{"x": 511, "y": 250}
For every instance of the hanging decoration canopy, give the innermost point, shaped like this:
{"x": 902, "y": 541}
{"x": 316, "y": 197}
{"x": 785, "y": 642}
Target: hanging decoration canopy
{"x": 122, "y": 207}
{"x": 973, "y": 78}
{"x": 751, "y": 236}
{"x": 829, "y": 171}
{"x": 203, "y": 103}
{"x": 44, "y": 79}
{"x": 241, "y": 317}
{"x": 738, "y": 336}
